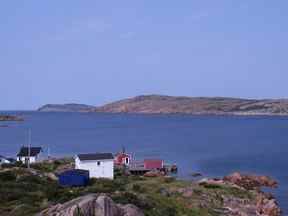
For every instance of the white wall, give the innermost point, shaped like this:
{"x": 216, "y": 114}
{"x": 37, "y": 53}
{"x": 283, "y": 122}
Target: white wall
{"x": 104, "y": 170}
{"x": 32, "y": 159}
{"x": 3, "y": 160}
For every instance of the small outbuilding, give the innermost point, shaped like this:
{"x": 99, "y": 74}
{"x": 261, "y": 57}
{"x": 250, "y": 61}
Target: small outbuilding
{"x": 29, "y": 154}
{"x": 4, "y": 160}
{"x": 151, "y": 164}
{"x": 99, "y": 165}
{"x": 74, "y": 178}
{"x": 122, "y": 158}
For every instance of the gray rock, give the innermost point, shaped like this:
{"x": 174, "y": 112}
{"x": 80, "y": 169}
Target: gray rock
{"x": 92, "y": 205}
{"x": 131, "y": 210}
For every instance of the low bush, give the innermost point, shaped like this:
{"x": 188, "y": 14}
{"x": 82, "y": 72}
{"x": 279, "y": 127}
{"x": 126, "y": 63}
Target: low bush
{"x": 7, "y": 176}
{"x": 169, "y": 179}
{"x": 211, "y": 186}
{"x": 102, "y": 186}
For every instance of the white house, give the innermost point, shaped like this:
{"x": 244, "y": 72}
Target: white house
{"x": 4, "y": 160}
{"x": 99, "y": 165}
{"x": 31, "y": 154}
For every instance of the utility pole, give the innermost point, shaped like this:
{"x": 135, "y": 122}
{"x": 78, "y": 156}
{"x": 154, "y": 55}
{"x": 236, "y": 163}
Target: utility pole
{"x": 49, "y": 152}
{"x": 29, "y": 147}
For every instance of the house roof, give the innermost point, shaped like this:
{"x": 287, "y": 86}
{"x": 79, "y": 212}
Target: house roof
{"x": 121, "y": 154}
{"x": 153, "y": 164}
{"x": 34, "y": 151}
{"x": 75, "y": 172}
{"x": 95, "y": 156}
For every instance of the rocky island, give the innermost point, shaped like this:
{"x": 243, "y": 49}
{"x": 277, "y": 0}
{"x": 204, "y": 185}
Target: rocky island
{"x": 159, "y": 104}
{"x": 10, "y": 118}
{"x": 72, "y": 107}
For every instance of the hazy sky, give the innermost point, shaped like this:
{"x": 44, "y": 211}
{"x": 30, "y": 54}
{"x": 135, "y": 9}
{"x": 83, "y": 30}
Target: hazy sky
{"x": 96, "y": 51}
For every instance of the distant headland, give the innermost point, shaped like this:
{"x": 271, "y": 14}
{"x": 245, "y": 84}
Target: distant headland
{"x": 160, "y": 104}
{"x": 66, "y": 108}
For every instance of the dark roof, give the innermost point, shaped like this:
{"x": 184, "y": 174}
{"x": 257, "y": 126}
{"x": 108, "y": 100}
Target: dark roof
{"x": 96, "y": 156}
{"x": 75, "y": 172}
{"x": 33, "y": 151}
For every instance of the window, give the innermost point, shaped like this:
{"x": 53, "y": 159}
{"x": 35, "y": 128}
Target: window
{"x": 98, "y": 163}
{"x": 127, "y": 160}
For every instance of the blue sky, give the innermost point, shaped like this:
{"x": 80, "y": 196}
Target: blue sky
{"x": 95, "y": 52}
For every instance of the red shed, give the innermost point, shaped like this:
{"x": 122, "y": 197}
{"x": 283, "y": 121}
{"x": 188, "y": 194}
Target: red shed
{"x": 153, "y": 164}
{"x": 122, "y": 158}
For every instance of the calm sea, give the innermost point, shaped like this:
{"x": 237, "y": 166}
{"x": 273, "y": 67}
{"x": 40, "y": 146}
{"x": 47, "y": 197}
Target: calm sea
{"x": 214, "y": 146}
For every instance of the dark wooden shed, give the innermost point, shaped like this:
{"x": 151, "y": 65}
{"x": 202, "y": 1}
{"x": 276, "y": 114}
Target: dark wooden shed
{"x": 74, "y": 178}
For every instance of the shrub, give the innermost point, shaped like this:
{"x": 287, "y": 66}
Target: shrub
{"x": 136, "y": 187}
{"x": 169, "y": 179}
{"x": 7, "y": 176}
{"x": 44, "y": 167}
{"x": 7, "y": 165}
{"x": 31, "y": 179}
{"x": 131, "y": 198}
{"x": 102, "y": 186}
{"x": 211, "y": 186}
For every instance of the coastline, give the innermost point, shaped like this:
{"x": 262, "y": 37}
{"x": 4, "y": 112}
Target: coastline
{"x": 234, "y": 194}
{"x": 7, "y": 118}
{"x": 168, "y": 113}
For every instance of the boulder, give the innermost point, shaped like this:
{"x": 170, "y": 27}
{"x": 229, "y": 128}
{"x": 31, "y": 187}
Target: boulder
{"x": 92, "y": 205}
{"x": 250, "y": 182}
{"x": 131, "y": 210}
{"x": 267, "y": 206}
{"x": 51, "y": 176}
{"x": 153, "y": 174}
{"x": 106, "y": 207}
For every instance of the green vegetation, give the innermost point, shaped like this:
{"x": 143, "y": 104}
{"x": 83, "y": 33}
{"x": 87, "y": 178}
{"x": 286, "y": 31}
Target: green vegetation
{"x": 24, "y": 192}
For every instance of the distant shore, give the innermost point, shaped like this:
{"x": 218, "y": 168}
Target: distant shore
{"x": 159, "y": 104}
{"x": 10, "y": 118}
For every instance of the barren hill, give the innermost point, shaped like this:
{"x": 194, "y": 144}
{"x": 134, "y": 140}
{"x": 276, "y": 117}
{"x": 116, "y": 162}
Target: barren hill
{"x": 196, "y": 106}
{"x": 155, "y": 104}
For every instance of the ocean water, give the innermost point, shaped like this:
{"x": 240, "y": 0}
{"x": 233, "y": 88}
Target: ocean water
{"x": 211, "y": 145}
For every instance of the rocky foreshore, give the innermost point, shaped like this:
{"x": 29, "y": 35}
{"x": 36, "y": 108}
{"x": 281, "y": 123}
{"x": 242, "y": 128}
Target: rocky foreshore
{"x": 257, "y": 204}
{"x": 92, "y": 205}
{"x": 10, "y": 118}
{"x": 262, "y": 204}
{"x": 35, "y": 191}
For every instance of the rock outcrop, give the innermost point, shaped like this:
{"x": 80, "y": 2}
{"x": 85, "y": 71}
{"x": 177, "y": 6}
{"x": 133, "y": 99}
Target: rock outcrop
{"x": 262, "y": 205}
{"x": 92, "y": 205}
{"x": 10, "y": 118}
{"x": 267, "y": 206}
{"x": 250, "y": 182}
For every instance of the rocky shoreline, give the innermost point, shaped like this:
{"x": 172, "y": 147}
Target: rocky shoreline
{"x": 261, "y": 204}
{"x": 10, "y": 118}
{"x": 126, "y": 195}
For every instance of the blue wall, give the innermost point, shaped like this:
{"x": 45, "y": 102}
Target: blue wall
{"x": 74, "y": 178}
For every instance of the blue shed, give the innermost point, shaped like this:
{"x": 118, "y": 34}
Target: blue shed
{"x": 75, "y": 177}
